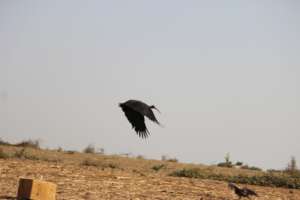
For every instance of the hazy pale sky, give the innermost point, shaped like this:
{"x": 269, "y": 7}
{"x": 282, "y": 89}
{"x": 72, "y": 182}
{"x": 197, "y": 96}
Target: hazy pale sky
{"x": 225, "y": 75}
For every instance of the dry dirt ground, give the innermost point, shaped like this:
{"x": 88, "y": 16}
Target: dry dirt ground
{"x": 115, "y": 177}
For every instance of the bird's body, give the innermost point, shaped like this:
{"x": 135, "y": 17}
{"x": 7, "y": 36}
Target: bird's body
{"x": 242, "y": 192}
{"x": 135, "y": 111}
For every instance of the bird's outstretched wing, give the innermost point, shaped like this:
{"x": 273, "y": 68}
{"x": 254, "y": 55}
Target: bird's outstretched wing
{"x": 151, "y": 116}
{"x": 143, "y": 109}
{"x": 137, "y": 121}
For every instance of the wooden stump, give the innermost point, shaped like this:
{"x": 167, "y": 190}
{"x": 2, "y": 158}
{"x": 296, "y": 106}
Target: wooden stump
{"x": 36, "y": 189}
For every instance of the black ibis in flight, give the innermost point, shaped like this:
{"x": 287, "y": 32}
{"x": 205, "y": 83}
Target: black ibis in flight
{"x": 135, "y": 111}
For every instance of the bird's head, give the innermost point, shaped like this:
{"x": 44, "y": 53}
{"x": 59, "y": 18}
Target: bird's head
{"x": 153, "y": 107}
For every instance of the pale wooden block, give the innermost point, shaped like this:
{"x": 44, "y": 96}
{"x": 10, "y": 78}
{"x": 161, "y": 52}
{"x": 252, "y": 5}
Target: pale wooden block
{"x": 36, "y": 189}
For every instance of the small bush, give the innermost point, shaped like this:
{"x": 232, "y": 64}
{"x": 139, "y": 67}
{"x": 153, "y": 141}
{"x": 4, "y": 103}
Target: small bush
{"x": 89, "y": 149}
{"x": 70, "y": 152}
{"x": 225, "y": 164}
{"x": 112, "y": 165}
{"x": 172, "y": 160}
{"x": 90, "y": 162}
{"x": 238, "y": 163}
{"x": 190, "y": 173}
{"x": 166, "y": 158}
{"x": 98, "y": 163}
{"x": 60, "y": 149}
{"x": 23, "y": 154}
{"x": 140, "y": 157}
{"x": 20, "y": 153}
{"x": 251, "y": 168}
{"x": 2, "y": 142}
{"x": 100, "y": 151}
{"x": 292, "y": 167}
{"x": 158, "y": 167}
{"x": 29, "y": 143}
{"x": 273, "y": 171}
{"x": 3, "y": 155}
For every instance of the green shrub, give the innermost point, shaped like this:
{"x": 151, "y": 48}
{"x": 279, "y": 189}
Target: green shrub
{"x": 98, "y": 163}
{"x": 3, "y": 155}
{"x": 20, "y": 153}
{"x": 158, "y": 167}
{"x": 190, "y": 173}
{"x": 23, "y": 154}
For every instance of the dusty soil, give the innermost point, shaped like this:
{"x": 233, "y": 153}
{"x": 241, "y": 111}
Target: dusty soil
{"x": 117, "y": 181}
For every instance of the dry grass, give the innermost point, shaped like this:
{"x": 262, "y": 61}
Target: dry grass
{"x": 96, "y": 176}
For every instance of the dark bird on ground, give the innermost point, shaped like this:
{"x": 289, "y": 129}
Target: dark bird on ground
{"x": 242, "y": 192}
{"x": 135, "y": 111}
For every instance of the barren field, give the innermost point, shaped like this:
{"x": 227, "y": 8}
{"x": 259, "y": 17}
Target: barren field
{"x": 93, "y": 176}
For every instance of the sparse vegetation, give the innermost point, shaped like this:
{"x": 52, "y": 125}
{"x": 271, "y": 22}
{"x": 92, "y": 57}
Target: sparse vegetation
{"x": 89, "y": 149}
{"x": 90, "y": 162}
{"x": 59, "y": 149}
{"x": 158, "y": 167}
{"x": 227, "y": 162}
{"x": 292, "y": 167}
{"x": 29, "y": 143}
{"x": 100, "y": 151}
{"x": 2, "y": 142}
{"x": 251, "y": 168}
{"x": 140, "y": 157}
{"x": 20, "y": 153}
{"x": 23, "y": 154}
{"x": 172, "y": 160}
{"x": 166, "y": 158}
{"x": 239, "y": 163}
{"x": 98, "y": 163}
{"x": 224, "y": 164}
{"x": 112, "y": 165}
{"x": 267, "y": 179}
{"x": 3, "y": 154}
{"x": 70, "y": 152}
{"x": 87, "y": 168}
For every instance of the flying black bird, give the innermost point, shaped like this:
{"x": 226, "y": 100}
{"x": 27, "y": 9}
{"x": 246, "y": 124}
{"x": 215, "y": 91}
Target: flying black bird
{"x": 242, "y": 192}
{"x": 135, "y": 111}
